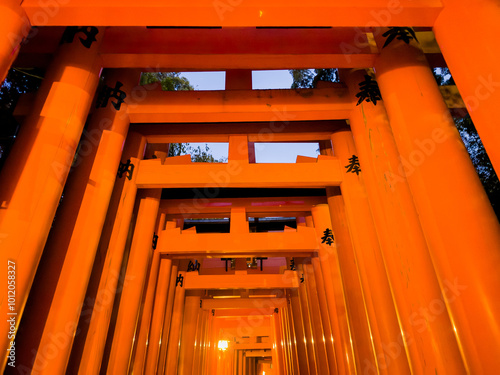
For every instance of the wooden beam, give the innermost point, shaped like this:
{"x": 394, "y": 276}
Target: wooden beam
{"x": 253, "y": 205}
{"x": 234, "y": 174}
{"x": 242, "y": 303}
{"x": 226, "y": 48}
{"x": 283, "y": 129}
{"x": 233, "y": 13}
{"x": 332, "y": 103}
{"x": 289, "y": 279}
{"x": 173, "y": 243}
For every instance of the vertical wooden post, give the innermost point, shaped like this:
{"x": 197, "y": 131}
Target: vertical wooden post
{"x": 126, "y": 321}
{"x": 157, "y": 321}
{"x": 14, "y": 27}
{"x": 34, "y": 175}
{"x": 112, "y": 244}
{"x": 474, "y": 63}
{"x": 316, "y": 321}
{"x": 172, "y": 364}
{"x": 347, "y": 301}
{"x": 445, "y": 189}
{"x": 189, "y": 330}
{"x": 300, "y": 335}
{"x": 168, "y": 317}
{"x": 307, "y": 324}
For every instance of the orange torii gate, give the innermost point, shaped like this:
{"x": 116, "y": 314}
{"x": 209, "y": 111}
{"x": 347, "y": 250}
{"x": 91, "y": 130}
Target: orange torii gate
{"x": 389, "y": 264}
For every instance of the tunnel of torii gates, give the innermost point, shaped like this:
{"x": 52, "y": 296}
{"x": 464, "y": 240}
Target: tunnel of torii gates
{"x": 380, "y": 256}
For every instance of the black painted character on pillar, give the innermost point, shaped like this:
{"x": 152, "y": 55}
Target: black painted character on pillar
{"x": 368, "y": 91}
{"x": 90, "y": 33}
{"x": 327, "y": 237}
{"x": 353, "y": 165}
{"x": 108, "y": 92}
{"x": 400, "y": 33}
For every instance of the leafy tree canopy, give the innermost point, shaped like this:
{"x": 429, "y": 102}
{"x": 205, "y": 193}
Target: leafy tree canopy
{"x": 308, "y": 78}
{"x": 173, "y": 81}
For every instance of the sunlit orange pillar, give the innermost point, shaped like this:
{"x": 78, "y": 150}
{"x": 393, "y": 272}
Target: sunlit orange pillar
{"x": 300, "y": 336}
{"x": 168, "y": 316}
{"x": 325, "y": 317}
{"x": 446, "y": 189}
{"x": 278, "y": 353}
{"x": 160, "y": 301}
{"x": 189, "y": 330}
{"x": 325, "y": 255}
{"x": 397, "y": 223}
{"x": 292, "y": 342}
{"x": 172, "y": 363}
{"x": 34, "y": 175}
{"x": 112, "y": 243}
{"x": 351, "y": 316}
{"x": 200, "y": 342}
{"x": 138, "y": 262}
{"x": 312, "y": 356}
{"x": 316, "y": 319}
{"x": 72, "y": 244}
{"x": 466, "y": 37}
{"x": 421, "y": 289}
{"x": 153, "y": 288}
{"x": 14, "y": 27}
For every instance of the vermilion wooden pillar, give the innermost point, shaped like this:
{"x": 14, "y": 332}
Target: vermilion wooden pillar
{"x": 473, "y": 61}
{"x": 306, "y": 322}
{"x": 34, "y": 175}
{"x": 300, "y": 336}
{"x": 14, "y": 27}
{"x": 172, "y": 362}
{"x": 316, "y": 319}
{"x": 189, "y": 329}
{"x": 446, "y": 190}
{"x": 126, "y": 321}
{"x": 112, "y": 244}
{"x": 395, "y": 219}
{"x": 348, "y": 296}
{"x": 157, "y": 320}
{"x": 168, "y": 317}
{"x": 72, "y": 244}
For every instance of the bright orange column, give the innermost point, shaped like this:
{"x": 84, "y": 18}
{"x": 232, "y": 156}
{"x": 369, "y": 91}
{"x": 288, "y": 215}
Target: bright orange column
{"x": 14, "y": 27}
{"x": 171, "y": 365}
{"x": 300, "y": 336}
{"x": 189, "y": 329}
{"x": 421, "y": 289}
{"x": 160, "y": 302}
{"x": 395, "y": 219}
{"x": 316, "y": 319}
{"x": 72, "y": 244}
{"x": 138, "y": 261}
{"x": 112, "y": 244}
{"x": 473, "y": 62}
{"x": 292, "y": 341}
{"x": 445, "y": 190}
{"x": 200, "y": 343}
{"x": 145, "y": 333}
{"x": 34, "y": 175}
{"x": 168, "y": 317}
{"x": 325, "y": 317}
{"x": 356, "y": 341}
{"x": 312, "y": 356}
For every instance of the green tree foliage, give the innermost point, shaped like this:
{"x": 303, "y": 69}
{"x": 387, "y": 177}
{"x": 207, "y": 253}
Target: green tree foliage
{"x": 170, "y": 81}
{"x": 308, "y": 78}
{"x": 173, "y": 81}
